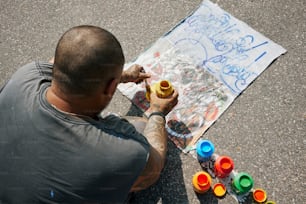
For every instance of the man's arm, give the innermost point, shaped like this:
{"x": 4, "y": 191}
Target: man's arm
{"x": 156, "y": 135}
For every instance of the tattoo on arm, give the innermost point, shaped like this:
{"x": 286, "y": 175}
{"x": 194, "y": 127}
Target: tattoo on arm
{"x": 156, "y": 134}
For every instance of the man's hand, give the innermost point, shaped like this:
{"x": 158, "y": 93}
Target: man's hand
{"x": 164, "y": 105}
{"x": 51, "y": 61}
{"x": 134, "y": 73}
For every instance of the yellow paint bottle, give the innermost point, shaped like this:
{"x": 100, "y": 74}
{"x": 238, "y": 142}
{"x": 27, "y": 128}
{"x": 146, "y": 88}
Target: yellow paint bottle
{"x": 162, "y": 89}
{"x": 201, "y": 182}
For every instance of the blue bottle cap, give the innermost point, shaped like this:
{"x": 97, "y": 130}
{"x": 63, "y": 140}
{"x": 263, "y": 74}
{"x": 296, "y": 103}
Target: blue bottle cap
{"x": 205, "y": 149}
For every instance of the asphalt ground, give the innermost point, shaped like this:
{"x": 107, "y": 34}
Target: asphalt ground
{"x": 264, "y": 130}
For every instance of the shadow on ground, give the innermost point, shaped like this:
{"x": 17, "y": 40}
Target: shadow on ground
{"x": 170, "y": 188}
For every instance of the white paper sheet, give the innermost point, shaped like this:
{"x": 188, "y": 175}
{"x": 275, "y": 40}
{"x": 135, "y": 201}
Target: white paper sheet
{"x": 210, "y": 58}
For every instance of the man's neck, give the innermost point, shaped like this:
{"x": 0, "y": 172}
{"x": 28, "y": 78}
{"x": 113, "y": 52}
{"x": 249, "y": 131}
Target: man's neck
{"x": 78, "y": 106}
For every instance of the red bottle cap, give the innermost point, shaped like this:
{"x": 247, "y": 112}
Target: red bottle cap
{"x": 224, "y": 166}
{"x": 203, "y": 180}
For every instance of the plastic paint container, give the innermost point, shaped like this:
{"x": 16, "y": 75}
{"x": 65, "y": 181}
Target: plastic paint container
{"x": 205, "y": 150}
{"x": 223, "y": 166}
{"x": 270, "y": 202}
{"x": 242, "y": 183}
{"x": 259, "y": 195}
{"x": 219, "y": 190}
{"x": 163, "y": 88}
{"x": 201, "y": 182}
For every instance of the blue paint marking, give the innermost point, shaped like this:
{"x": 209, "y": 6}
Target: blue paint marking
{"x": 229, "y": 86}
{"x": 232, "y": 47}
{"x": 260, "y": 56}
{"x": 52, "y": 194}
{"x": 266, "y": 42}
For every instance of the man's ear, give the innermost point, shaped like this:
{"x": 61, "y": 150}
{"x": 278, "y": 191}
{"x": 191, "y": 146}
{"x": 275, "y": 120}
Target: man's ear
{"x": 111, "y": 87}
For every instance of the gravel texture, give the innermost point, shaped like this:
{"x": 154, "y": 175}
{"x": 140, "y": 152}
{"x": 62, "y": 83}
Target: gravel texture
{"x": 264, "y": 130}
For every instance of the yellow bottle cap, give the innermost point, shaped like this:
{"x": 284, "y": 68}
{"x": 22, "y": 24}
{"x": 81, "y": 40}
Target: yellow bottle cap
{"x": 219, "y": 189}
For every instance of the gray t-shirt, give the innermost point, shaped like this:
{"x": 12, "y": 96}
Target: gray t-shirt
{"x": 47, "y": 156}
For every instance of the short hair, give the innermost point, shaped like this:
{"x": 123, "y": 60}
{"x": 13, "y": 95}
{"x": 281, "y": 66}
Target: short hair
{"x": 85, "y": 59}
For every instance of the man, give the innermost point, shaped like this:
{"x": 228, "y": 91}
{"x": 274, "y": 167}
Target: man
{"x": 54, "y": 146}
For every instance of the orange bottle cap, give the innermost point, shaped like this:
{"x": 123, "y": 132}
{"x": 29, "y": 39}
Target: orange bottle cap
{"x": 259, "y": 195}
{"x": 226, "y": 165}
{"x": 219, "y": 189}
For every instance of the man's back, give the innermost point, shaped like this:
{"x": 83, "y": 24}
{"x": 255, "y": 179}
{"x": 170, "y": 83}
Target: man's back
{"x": 50, "y": 156}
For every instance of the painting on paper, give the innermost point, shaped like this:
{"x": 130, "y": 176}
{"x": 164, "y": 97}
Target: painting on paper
{"x": 210, "y": 58}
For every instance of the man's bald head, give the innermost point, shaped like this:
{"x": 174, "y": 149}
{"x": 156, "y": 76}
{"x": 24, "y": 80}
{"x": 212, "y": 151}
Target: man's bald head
{"x": 85, "y": 59}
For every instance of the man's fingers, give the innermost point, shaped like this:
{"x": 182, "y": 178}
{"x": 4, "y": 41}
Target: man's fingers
{"x": 141, "y": 69}
{"x": 51, "y": 61}
{"x": 144, "y": 75}
{"x": 175, "y": 94}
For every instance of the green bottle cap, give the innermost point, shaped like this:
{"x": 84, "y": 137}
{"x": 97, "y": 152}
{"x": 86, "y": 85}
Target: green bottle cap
{"x": 243, "y": 183}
